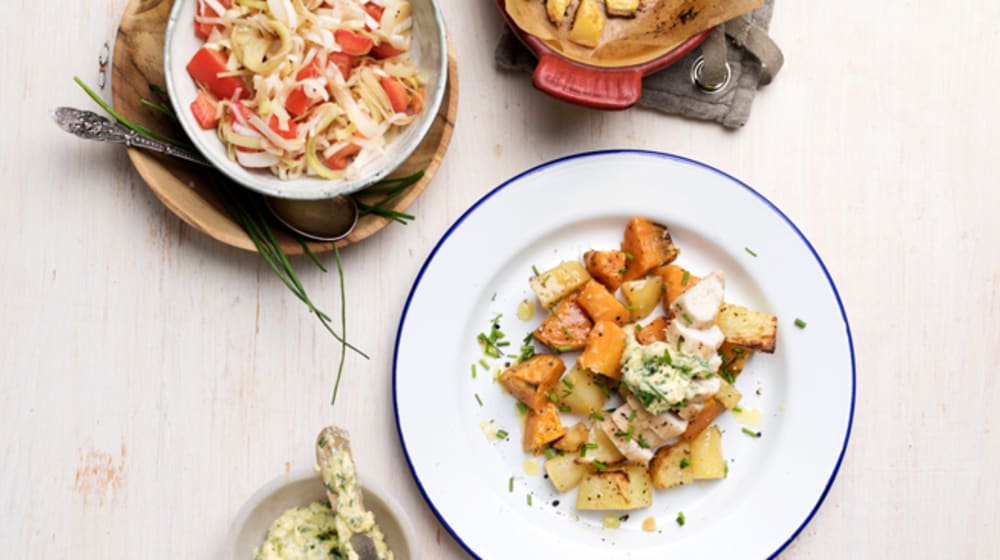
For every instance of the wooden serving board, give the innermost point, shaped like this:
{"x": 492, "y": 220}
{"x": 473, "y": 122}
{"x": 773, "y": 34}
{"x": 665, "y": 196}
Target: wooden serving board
{"x": 182, "y": 187}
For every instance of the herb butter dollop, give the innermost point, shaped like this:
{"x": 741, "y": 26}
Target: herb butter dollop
{"x": 306, "y": 533}
{"x": 663, "y": 378}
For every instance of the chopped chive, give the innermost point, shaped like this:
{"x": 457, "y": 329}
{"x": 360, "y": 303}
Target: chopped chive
{"x": 567, "y": 383}
{"x": 601, "y": 466}
{"x": 629, "y": 256}
{"x": 483, "y": 363}
{"x": 685, "y": 278}
{"x": 502, "y": 434}
{"x": 529, "y": 499}
{"x": 725, "y": 473}
{"x": 632, "y": 307}
{"x": 548, "y": 453}
{"x": 738, "y": 351}
{"x": 749, "y": 250}
{"x": 687, "y": 318}
{"x": 521, "y": 407}
{"x": 473, "y": 371}
{"x": 685, "y": 463}
{"x": 567, "y": 333}
{"x": 586, "y": 447}
{"x": 642, "y": 442}
{"x": 622, "y": 270}
{"x": 562, "y": 349}
{"x": 751, "y": 433}
{"x": 553, "y": 397}
{"x": 503, "y": 343}
{"x": 737, "y": 409}
{"x": 479, "y": 400}
{"x": 680, "y": 518}
{"x": 535, "y": 270}
{"x": 800, "y": 323}
{"x": 638, "y": 327}
{"x": 510, "y": 485}
{"x": 565, "y": 408}
{"x": 597, "y": 416}
{"x": 322, "y": 441}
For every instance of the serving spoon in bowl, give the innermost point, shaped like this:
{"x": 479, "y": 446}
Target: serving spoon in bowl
{"x": 334, "y": 446}
{"x": 319, "y": 220}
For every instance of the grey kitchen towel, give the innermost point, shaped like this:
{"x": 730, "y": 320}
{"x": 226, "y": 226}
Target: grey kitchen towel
{"x": 672, "y": 90}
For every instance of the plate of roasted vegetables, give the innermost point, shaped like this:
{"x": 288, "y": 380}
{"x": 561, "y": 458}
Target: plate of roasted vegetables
{"x": 624, "y": 354}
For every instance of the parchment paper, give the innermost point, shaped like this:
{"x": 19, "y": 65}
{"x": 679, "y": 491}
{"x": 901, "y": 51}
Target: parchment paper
{"x": 659, "y": 26}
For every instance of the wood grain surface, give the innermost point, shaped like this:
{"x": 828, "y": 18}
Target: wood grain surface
{"x": 152, "y": 378}
{"x": 186, "y": 189}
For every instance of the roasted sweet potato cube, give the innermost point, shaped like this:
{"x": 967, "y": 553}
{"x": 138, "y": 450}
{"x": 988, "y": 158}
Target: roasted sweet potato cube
{"x": 676, "y": 281}
{"x": 567, "y": 328}
{"x": 734, "y": 358}
{"x": 606, "y": 267}
{"x": 748, "y": 328}
{"x": 542, "y": 426}
{"x": 704, "y": 419}
{"x": 656, "y": 330}
{"x": 601, "y": 304}
{"x": 604, "y": 350}
{"x": 647, "y": 246}
{"x": 532, "y": 380}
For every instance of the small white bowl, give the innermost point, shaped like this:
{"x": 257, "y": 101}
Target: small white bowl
{"x": 300, "y": 488}
{"x": 429, "y": 53}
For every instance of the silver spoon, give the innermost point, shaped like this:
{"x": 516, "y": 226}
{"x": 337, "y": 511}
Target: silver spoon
{"x": 320, "y": 220}
{"x": 330, "y": 441}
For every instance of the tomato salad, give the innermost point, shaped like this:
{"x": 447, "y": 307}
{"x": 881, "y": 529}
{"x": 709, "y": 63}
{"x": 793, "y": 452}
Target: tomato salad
{"x": 314, "y": 87}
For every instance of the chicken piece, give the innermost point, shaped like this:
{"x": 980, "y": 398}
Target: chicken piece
{"x": 703, "y": 343}
{"x": 622, "y": 8}
{"x": 629, "y": 447}
{"x": 666, "y": 425}
{"x": 699, "y": 306}
{"x": 588, "y": 25}
{"x": 557, "y": 10}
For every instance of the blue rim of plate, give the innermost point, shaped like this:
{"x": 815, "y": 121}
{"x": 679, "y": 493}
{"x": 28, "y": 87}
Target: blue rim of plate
{"x": 649, "y": 153}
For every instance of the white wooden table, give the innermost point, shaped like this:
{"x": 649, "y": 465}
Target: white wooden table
{"x": 152, "y": 379}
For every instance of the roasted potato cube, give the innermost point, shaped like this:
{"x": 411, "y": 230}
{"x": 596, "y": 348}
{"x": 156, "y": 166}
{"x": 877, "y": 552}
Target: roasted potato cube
{"x": 556, "y": 10}
{"x": 671, "y": 466}
{"x": 676, "y": 281}
{"x": 588, "y": 25}
{"x": 728, "y": 396}
{"x": 565, "y": 473}
{"x": 604, "y": 350}
{"x": 601, "y": 304}
{"x": 647, "y": 246}
{"x": 532, "y": 380}
{"x": 748, "y": 328}
{"x": 542, "y": 426}
{"x": 557, "y": 283}
{"x": 567, "y": 328}
{"x": 599, "y": 448}
{"x": 582, "y": 392}
{"x": 656, "y": 330}
{"x": 621, "y": 8}
{"x": 624, "y": 488}
{"x": 606, "y": 267}
{"x": 642, "y": 296}
{"x": 706, "y": 455}
{"x": 573, "y": 439}
{"x": 705, "y": 417}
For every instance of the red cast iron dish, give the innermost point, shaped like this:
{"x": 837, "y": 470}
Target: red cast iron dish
{"x": 612, "y": 88}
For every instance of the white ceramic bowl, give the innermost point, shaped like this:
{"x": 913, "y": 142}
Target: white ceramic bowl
{"x": 300, "y": 488}
{"x": 429, "y": 52}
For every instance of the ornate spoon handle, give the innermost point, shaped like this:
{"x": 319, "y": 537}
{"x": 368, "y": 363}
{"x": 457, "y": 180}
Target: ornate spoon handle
{"x": 91, "y": 126}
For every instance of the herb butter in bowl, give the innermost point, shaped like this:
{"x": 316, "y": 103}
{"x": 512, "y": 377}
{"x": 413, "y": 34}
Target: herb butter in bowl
{"x": 290, "y": 518}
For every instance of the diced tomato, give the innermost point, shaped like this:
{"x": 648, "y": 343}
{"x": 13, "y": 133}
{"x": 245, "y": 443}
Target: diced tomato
{"x": 298, "y": 102}
{"x": 343, "y": 61}
{"x": 374, "y": 10}
{"x": 417, "y": 101}
{"x": 203, "y": 109}
{"x": 353, "y": 43}
{"x": 203, "y": 30}
{"x": 342, "y": 157}
{"x": 385, "y": 50}
{"x": 311, "y": 71}
{"x": 275, "y": 125}
{"x": 205, "y": 67}
{"x": 398, "y": 97}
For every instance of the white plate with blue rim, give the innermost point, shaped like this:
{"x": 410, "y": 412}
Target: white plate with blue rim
{"x": 478, "y": 485}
